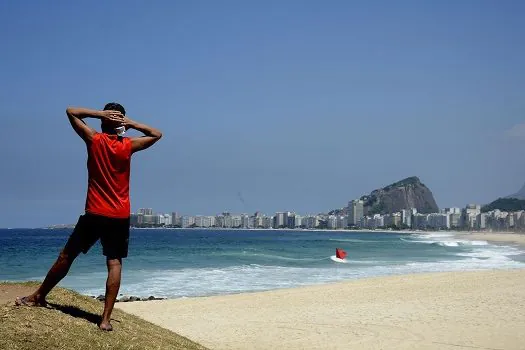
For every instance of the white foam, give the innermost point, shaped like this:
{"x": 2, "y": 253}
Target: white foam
{"x": 461, "y": 243}
{"x": 352, "y": 240}
{"x": 339, "y": 260}
{"x": 447, "y": 241}
{"x": 433, "y": 235}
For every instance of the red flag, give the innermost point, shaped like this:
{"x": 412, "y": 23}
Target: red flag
{"x": 341, "y": 254}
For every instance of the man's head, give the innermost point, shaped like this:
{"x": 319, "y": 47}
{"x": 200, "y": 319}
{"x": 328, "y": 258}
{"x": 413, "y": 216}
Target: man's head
{"x": 112, "y": 106}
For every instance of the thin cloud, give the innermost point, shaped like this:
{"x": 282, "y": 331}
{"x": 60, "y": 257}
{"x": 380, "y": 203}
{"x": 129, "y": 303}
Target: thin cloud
{"x": 517, "y": 131}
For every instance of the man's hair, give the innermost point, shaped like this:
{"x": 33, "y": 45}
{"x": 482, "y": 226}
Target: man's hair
{"x": 113, "y": 106}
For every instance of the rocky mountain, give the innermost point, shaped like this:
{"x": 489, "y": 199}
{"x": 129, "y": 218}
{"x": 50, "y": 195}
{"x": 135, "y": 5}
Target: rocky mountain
{"x": 404, "y": 194}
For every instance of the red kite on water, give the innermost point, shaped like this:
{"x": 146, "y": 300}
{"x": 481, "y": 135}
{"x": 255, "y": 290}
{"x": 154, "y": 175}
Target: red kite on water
{"x": 339, "y": 253}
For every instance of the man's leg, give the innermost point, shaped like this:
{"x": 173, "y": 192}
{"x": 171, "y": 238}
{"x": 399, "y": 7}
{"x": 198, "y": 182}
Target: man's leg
{"x": 81, "y": 239}
{"x": 112, "y": 288}
{"x": 57, "y": 272}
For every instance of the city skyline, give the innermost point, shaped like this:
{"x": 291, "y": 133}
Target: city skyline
{"x": 471, "y": 217}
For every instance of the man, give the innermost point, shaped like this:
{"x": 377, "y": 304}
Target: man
{"x": 107, "y": 208}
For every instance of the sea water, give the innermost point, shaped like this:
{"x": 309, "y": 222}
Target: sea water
{"x": 184, "y": 263}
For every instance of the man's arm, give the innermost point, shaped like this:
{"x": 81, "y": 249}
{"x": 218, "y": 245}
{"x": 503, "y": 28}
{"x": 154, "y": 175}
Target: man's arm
{"x": 151, "y": 135}
{"x": 75, "y": 116}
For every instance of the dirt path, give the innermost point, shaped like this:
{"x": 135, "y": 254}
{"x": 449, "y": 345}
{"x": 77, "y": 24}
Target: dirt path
{"x": 8, "y": 293}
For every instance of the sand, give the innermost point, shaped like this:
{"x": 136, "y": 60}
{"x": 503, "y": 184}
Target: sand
{"x": 496, "y": 237}
{"x": 9, "y": 292}
{"x": 453, "y": 310}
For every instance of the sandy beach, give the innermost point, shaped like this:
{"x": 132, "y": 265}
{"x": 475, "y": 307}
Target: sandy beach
{"x": 453, "y": 310}
{"x": 495, "y": 237}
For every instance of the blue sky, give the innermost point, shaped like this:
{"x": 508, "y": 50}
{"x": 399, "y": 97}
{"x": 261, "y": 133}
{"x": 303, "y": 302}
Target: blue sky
{"x": 296, "y": 105}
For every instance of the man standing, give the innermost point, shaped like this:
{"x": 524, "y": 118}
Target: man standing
{"x": 107, "y": 209}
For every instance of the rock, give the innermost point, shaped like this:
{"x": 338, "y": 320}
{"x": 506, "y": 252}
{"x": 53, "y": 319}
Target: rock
{"x": 405, "y": 194}
{"x": 125, "y": 299}
{"x": 101, "y": 298}
{"x": 152, "y": 298}
{"x": 134, "y": 299}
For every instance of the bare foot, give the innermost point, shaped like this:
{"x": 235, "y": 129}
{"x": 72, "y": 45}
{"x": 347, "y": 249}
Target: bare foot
{"x": 30, "y": 301}
{"x": 106, "y": 326}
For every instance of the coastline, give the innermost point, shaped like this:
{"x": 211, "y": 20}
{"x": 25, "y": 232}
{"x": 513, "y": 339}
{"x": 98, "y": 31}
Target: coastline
{"x": 450, "y": 310}
{"x": 399, "y": 232}
{"x": 494, "y": 237}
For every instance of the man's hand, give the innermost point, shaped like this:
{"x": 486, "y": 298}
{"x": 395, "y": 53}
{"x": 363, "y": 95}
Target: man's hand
{"x": 151, "y": 135}
{"x": 111, "y": 117}
{"x": 127, "y": 123}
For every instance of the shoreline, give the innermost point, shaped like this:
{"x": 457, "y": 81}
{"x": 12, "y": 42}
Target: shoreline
{"x": 400, "y": 232}
{"x": 443, "y": 310}
{"x": 500, "y": 238}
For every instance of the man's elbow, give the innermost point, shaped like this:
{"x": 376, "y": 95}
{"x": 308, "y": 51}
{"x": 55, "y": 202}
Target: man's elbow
{"x": 158, "y": 135}
{"x": 71, "y": 112}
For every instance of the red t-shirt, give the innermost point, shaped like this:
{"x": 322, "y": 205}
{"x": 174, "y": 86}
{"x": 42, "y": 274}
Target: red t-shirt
{"x": 109, "y": 161}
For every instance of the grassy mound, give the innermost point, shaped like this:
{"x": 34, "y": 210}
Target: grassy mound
{"x": 70, "y": 322}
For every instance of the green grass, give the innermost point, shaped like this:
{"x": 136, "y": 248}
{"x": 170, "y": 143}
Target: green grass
{"x": 71, "y": 323}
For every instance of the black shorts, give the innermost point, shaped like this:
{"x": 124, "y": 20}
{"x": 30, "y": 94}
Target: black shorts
{"x": 112, "y": 232}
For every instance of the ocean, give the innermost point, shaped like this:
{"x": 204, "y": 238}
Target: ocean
{"x": 186, "y": 263}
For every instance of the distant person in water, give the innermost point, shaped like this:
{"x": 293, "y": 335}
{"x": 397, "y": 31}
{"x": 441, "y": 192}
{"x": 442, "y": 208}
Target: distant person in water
{"x": 107, "y": 209}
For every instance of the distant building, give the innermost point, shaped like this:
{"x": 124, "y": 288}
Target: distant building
{"x": 204, "y": 221}
{"x": 469, "y": 215}
{"x": 342, "y": 222}
{"x": 394, "y": 219}
{"x": 455, "y": 220}
{"x": 175, "y": 219}
{"x": 355, "y": 212}
{"x": 406, "y": 217}
{"x": 452, "y": 211}
{"x": 134, "y": 219}
{"x": 310, "y": 221}
{"x": 331, "y": 222}
{"x": 290, "y": 220}
{"x": 148, "y": 219}
{"x": 420, "y": 221}
{"x": 481, "y": 221}
{"x": 146, "y": 211}
{"x": 236, "y": 221}
{"x": 438, "y": 221}
{"x": 298, "y": 221}
{"x": 267, "y": 221}
{"x": 280, "y": 220}
{"x": 245, "y": 221}
{"x": 187, "y": 221}
{"x": 167, "y": 219}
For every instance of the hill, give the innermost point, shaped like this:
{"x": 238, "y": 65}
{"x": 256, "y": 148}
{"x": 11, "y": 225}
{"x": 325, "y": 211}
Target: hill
{"x": 405, "y": 194}
{"x": 505, "y": 204}
{"x": 70, "y": 323}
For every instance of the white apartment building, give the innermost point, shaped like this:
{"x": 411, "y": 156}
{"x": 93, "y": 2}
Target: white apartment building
{"x": 280, "y": 219}
{"x": 187, "y": 221}
{"x": 331, "y": 222}
{"x": 420, "y": 221}
{"x": 438, "y": 221}
{"x": 355, "y": 212}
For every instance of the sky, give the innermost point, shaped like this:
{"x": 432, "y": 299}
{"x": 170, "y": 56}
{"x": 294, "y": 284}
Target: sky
{"x": 264, "y": 105}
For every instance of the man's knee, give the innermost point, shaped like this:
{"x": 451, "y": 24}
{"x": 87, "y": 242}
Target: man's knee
{"x": 67, "y": 256}
{"x": 114, "y": 263}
